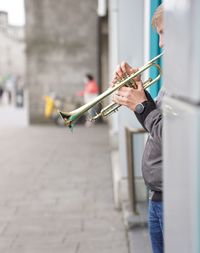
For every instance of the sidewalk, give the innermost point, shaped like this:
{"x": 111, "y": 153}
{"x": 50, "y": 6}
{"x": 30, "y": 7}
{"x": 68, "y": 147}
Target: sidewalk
{"x": 56, "y": 192}
{"x": 13, "y": 116}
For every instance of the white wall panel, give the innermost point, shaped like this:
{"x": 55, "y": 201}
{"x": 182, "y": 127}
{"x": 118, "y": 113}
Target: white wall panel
{"x": 181, "y": 176}
{"x": 182, "y": 52}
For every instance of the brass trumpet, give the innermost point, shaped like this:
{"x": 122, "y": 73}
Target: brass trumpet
{"x": 71, "y": 117}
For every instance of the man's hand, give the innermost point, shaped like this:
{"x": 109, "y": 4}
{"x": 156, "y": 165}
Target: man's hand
{"x": 127, "y": 96}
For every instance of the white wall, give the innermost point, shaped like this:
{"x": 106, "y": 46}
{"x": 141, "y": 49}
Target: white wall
{"x": 126, "y": 43}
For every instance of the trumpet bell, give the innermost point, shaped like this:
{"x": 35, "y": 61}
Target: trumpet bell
{"x": 67, "y": 118}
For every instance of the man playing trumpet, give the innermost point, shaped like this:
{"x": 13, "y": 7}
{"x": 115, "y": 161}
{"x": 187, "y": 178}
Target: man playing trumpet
{"x": 149, "y": 115}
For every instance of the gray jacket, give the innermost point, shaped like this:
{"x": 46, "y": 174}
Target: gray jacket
{"x": 151, "y": 120}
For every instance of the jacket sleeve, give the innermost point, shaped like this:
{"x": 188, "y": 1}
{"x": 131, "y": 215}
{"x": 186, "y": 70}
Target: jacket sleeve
{"x": 151, "y": 118}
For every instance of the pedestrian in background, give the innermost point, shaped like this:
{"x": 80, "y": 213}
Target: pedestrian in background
{"x": 1, "y": 89}
{"x": 90, "y": 92}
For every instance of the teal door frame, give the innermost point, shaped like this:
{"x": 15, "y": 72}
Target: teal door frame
{"x": 154, "y": 48}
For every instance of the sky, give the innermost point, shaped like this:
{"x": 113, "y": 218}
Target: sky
{"x": 15, "y": 9}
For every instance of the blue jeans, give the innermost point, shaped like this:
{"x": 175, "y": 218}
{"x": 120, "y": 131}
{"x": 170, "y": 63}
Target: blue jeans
{"x": 155, "y": 220}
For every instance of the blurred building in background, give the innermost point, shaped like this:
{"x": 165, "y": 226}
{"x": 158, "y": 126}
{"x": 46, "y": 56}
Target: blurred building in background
{"x": 12, "y": 60}
{"x": 12, "y": 47}
{"x": 61, "y": 49}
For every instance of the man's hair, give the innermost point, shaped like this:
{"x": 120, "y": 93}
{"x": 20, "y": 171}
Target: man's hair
{"x": 158, "y": 14}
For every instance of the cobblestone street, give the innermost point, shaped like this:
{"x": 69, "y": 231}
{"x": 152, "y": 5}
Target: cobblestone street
{"x": 56, "y": 192}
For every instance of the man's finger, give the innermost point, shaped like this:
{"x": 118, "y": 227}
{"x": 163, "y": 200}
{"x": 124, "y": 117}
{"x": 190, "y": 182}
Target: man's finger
{"x": 120, "y": 100}
{"x": 140, "y": 85}
{"x": 119, "y": 73}
{"x": 126, "y": 68}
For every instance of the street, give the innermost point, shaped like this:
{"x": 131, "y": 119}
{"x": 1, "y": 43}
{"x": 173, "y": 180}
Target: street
{"x": 56, "y": 192}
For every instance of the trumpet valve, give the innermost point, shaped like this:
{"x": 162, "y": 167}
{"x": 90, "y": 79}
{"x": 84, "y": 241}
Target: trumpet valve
{"x": 131, "y": 83}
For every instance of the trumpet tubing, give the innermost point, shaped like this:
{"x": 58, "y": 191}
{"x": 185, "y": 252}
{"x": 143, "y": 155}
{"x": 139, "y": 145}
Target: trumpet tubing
{"x": 71, "y": 117}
